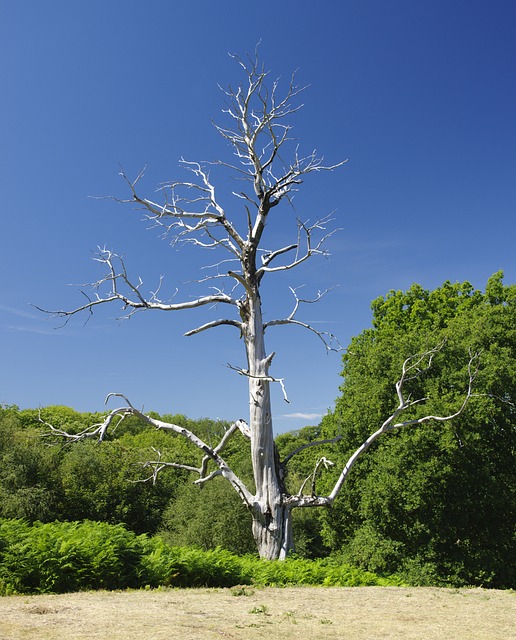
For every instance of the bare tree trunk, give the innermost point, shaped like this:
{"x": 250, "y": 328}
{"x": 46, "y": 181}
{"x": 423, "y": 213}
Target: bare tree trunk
{"x": 271, "y": 517}
{"x": 273, "y": 533}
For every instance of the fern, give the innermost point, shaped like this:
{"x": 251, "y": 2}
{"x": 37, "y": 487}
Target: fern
{"x": 69, "y": 556}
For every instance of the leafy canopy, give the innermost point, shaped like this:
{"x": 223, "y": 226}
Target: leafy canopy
{"x": 436, "y": 501}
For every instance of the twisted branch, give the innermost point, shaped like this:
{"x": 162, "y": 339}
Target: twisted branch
{"x": 412, "y": 368}
{"x": 99, "y": 432}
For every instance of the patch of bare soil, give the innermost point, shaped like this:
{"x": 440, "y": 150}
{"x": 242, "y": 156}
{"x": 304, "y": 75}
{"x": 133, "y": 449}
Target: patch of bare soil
{"x": 246, "y": 613}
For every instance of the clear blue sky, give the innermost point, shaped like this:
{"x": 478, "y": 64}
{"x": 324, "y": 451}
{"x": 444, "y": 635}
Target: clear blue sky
{"x": 419, "y": 96}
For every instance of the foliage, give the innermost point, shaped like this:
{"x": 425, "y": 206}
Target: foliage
{"x": 211, "y": 515}
{"x": 59, "y": 557}
{"x": 85, "y": 481}
{"x": 67, "y": 556}
{"x": 208, "y": 517}
{"x": 308, "y": 541}
{"x": 324, "y": 572}
{"x": 193, "y": 567}
{"x": 435, "y": 503}
{"x": 29, "y": 485}
{"x": 105, "y": 483}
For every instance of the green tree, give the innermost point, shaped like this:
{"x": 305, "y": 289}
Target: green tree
{"x": 29, "y": 485}
{"x": 208, "y": 518}
{"x": 72, "y": 420}
{"x": 108, "y": 484}
{"x": 210, "y": 515}
{"x": 436, "y": 501}
{"x": 46, "y": 483}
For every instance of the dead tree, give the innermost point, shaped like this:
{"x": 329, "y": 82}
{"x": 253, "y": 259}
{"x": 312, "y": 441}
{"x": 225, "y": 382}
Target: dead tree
{"x": 191, "y": 212}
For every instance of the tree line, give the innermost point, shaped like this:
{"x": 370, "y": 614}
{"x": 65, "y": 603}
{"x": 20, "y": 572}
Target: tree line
{"x": 433, "y": 503}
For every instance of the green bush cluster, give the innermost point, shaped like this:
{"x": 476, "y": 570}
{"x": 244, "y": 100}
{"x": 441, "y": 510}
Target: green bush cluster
{"x": 60, "y": 557}
{"x": 68, "y": 556}
{"x": 328, "y": 572}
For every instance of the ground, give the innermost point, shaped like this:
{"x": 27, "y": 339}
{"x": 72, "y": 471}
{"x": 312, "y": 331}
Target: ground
{"x": 245, "y": 612}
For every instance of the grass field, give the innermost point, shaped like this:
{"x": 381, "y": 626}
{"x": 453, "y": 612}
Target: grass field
{"x": 291, "y": 613}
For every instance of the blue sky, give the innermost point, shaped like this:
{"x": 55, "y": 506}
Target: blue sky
{"x": 420, "y": 97}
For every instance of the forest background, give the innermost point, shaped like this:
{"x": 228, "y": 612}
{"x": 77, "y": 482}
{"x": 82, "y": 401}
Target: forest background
{"x": 434, "y": 504}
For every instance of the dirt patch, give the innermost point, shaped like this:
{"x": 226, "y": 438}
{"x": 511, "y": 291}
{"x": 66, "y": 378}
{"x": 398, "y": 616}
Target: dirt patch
{"x": 251, "y": 614}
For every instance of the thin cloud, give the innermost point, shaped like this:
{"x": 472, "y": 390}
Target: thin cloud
{"x": 18, "y": 312}
{"x": 303, "y": 416}
{"x": 44, "y": 332}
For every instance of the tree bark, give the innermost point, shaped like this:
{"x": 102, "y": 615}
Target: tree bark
{"x": 271, "y": 517}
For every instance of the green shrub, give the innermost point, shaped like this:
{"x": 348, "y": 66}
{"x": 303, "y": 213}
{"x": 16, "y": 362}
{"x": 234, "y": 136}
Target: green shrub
{"x": 213, "y": 517}
{"x": 320, "y": 572}
{"x": 190, "y": 567}
{"x": 70, "y": 556}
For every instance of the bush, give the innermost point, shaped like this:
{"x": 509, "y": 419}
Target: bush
{"x": 68, "y": 556}
{"x": 328, "y": 572}
{"x": 208, "y": 518}
{"x": 189, "y": 567}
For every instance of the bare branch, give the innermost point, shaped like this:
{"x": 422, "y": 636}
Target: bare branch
{"x": 158, "y": 465}
{"x": 258, "y": 133}
{"x": 305, "y": 246}
{"x": 99, "y": 432}
{"x": 411, "y": 370}
{"x": 96, "y": 431}
{"x": 212, "y": 475}
{"x": 269, "y": 256}
{"x": 132, "y": 299}
{"x": 214, "y": 323}
{"x": 329, "y": 340}
{"x": 280, "y": 381}
{"x": 202, "y": 207}
{"x": 312, "y": 477}
{"x": 411, "y": 364}
{"x": 240, "y": 425}
{"x": 315, "y": 443}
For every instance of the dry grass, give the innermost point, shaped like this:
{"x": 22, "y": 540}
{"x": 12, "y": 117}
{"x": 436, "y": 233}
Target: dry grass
{"x": 293, "y": 613}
